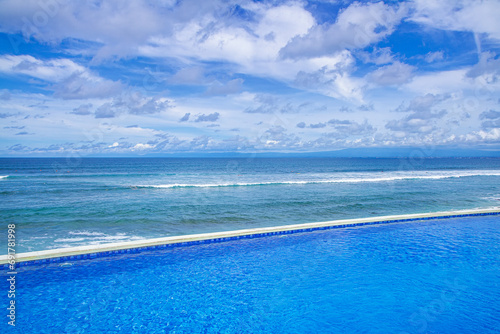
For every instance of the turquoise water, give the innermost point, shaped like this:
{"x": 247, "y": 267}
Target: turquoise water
{"x": 72, "y": 202}
{"x": 436, "y": 276}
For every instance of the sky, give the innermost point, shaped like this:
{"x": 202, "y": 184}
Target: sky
{"x": 139, "y": 77}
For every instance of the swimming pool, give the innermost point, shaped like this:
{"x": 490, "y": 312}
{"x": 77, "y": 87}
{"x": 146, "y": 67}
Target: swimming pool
{"x": 437, "y": 276}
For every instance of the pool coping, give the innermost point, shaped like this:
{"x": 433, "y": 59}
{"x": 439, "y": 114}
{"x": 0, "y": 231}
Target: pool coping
{"x": 94, "y": 251}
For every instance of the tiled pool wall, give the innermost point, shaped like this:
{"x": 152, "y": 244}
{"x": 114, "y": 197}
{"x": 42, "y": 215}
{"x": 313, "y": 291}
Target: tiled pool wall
{"x": 134, "y": 250}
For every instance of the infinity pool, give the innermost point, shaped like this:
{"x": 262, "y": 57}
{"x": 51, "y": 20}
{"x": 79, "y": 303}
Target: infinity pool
{"x": 435, "y": 276}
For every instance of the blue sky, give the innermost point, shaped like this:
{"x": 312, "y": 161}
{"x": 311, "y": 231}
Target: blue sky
{"x": 151, "y": 77}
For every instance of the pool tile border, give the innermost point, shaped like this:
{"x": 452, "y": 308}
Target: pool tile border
{"x": 132, "y": 247}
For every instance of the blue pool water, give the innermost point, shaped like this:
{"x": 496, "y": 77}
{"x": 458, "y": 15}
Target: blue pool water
{"x": 436, "y": 276}
{"x": 58, "y": 203}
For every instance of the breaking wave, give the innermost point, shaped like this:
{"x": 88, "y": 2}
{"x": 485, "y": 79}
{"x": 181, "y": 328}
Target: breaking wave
{"x": 370, "y": 178}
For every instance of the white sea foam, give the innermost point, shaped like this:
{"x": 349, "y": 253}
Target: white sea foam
{"x": 3, "y": 176}
{"x": 92, "y": 238}
{"x": 69, "y": 239}
{"x": 118, "y": 237}
{"x": 351, "y": 178}
{"x": 86, "y": 233}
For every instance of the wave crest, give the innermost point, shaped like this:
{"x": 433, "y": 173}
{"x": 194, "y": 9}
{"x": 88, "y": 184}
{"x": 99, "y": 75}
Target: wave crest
{"x": 339, "y": 180}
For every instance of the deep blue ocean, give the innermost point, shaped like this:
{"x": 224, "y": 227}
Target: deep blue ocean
{"x": 59, "y": 203}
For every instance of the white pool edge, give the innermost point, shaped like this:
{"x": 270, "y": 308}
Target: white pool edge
{"x": 118, "y": 246}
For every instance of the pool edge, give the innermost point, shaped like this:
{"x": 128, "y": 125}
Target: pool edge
{"x": 83, "y": 252}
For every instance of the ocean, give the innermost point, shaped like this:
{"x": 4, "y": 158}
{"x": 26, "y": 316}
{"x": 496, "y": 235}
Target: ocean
{"x": 58, "y": 202}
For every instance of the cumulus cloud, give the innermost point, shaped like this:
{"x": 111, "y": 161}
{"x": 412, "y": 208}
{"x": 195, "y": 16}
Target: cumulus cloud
{"x": 83, "y": 109}
{"x": 212, "y": 31}
{"x": 66, "y": 78}
{"x": 333, "y": 78}
{"x": 134, "y": 104}
{"x": 105, "y": 111}
{"x": 294, "y": 62}
{"x": 491, "y": 119}
{"x": 222, "y": 34}
{"x": 277, "y": 137}
{"x": 83, "y": 85}
{"x": 208, "y": 118}
{"x": 379, "y": 56}
{"x": 485, "y": 136}
{"x": 492, "y": 114}
{"x": 185, "y": 118}
{"x": 347, "y": 128}
{"x": 317, "y": 125}
{"x": 230, "y": 87}
{"x": 188, "y": 76}
{"x": 266, "y": 104}
{"x": 270, "y": 104}
{"x": 366, "y": 107}
{"x": 487, "y": 64}
{"x": 466, "y": 15}
{"x": 52, "y": 70}
{"x": 396, "y": 73}
{"x": 358, "y": 26}
{"x": 118, "y": 26}
{"x": 416, "y": 123}
{"x": 423, "y": 103}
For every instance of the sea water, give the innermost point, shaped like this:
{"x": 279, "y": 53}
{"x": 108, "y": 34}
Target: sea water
{"x": 57, "y": 203}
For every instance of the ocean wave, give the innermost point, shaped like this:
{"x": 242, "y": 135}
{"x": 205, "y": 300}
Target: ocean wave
{"x": 69, "y": 240}
{"x": 69, "y": 175}
{"x": 86, "y": 233}
{"x": 371, "y": 178}
{"x": 83, "y": 238}
{"x": 3, "y": 176}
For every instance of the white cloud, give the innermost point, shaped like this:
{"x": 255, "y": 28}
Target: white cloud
{"x": 208, "y": 118}
{"x": 142, "y": 147}
{"x": 239, "y": 54}
{"x": 208, "y": 38}
{"x": 193, "y": 33}
{"x": 432, "y": 57}
{"x": 423, "y": 103}
{"x": 84, "y": 85}
{"x": 418, "y": 122}
{"x": 119, "y": 26}
{"x": 83, "y": 109}
{"x": 464, "y": 15}
{"x": 377, "y": 56}
{"x": 230, "y": 87}
{"x": 66, "y": 78}
{"x": 53, "y": 70}
{"x": 189, "y": 76}
{"x": 438, "y": 82}
{"x": 396, "y": 73}
{"x": 356, "y": 27}
{"x": 491, "y": 136}
{"x": 133, "y": 103}
{"x": 487, "y": 66}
